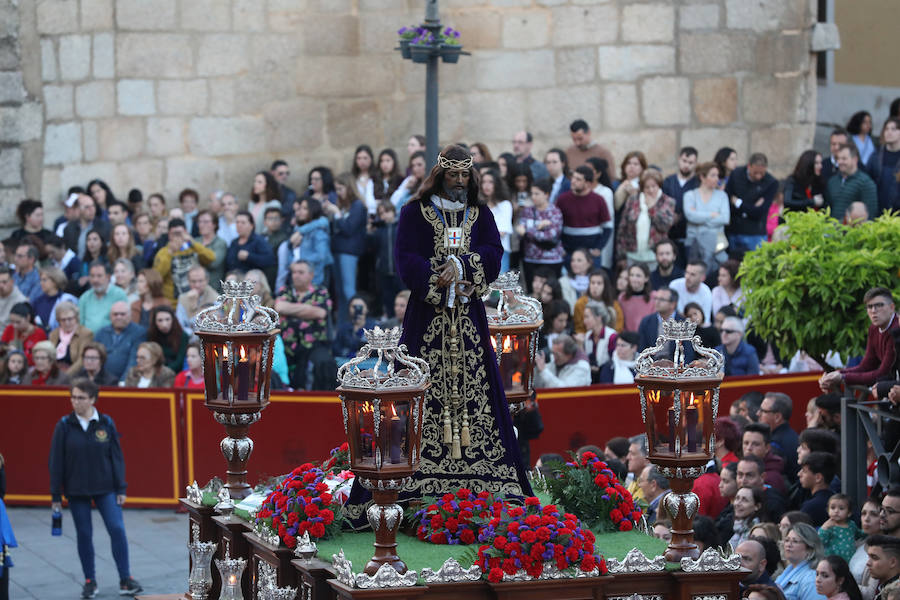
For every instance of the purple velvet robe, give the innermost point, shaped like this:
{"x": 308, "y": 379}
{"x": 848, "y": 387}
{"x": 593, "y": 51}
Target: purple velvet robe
{"x": 492, "y": 461}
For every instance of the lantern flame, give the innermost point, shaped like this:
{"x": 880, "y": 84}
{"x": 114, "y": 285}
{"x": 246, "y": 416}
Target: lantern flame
{"x": 517, "y": 378}
{"x": 224, "y": 352}
{"x": 243, "y": 353}
{"x": 393, "y": 411}
{"x": 507, "y": 344}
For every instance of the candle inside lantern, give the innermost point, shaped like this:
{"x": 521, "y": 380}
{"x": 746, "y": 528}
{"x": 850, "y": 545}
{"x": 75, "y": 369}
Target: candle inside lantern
{"x": 397, "y": 430}
{"x": 226, "y": 381}
{"x": 691, "y": 416}
{"x": 672, "y": 430}
{"x": 243, "y": 375}
{"x": 232, "y": 579}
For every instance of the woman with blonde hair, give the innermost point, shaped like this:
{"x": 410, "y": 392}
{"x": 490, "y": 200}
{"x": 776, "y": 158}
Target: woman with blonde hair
{"x": 69, "y": 338}
{"x": 261, "y": 287}
{"x": 150, "y": 295}
{"x": 149, "y": 370}
{"x": 45, "y": 371}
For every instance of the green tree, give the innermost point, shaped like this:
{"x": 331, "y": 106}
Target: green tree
{"x": 806, "y": 292}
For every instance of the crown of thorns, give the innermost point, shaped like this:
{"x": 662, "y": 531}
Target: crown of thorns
{"x": 454, "y": 165}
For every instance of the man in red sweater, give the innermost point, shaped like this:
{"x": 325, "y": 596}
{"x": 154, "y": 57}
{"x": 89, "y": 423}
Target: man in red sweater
{"x": 879, "y": 358}
{"x": 586, "y": 221}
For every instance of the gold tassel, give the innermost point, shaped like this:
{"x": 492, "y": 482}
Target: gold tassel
{"x": 448, "y": 432}
{"x": 455, "y": 453}
{"x": 464, "y": 438}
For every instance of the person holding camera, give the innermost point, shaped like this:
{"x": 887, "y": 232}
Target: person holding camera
{"x": 350, "y": 336}
{"x": 175, "y": 259}
{"x": 87, "y": 465}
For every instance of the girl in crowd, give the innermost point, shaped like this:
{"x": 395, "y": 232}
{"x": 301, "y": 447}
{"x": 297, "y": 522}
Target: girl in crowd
{"x": 834, "y": 581}
{"x": 101, "y": 194}
{"x": 726, "y": 160}
{"x": 149, "y": 370}
{"x": 620, "y": 370}
{"x": 93, "y": 360}
{"x": 69, "y": 338}
{"x": 53, "y": 282}
{"x": 30, "y": 214}
{"x": 192, "y": 377}
{"x": 839, "y": 534}
{"x": 709, "y": 336}
{"x": 150, "y": 295}
{"x": 348, "y": 239}
{"x": 748, "y": 507}
{"x": 166, "y": 331}
{"x": 540, "y": 228}
{"x": 124, "y": 246}
{"x": 870, "y": 521}
{"x": 15, "y": 368}
{"x": 124, "y": 277}
{"x": 600, "y": 290}
{"x": 156, "y": 204}
{"x": 310, "y": 241}
{"x": 389, "y": 177}
{"x": 636, "y": 301}
{"x": 263, "y": 195}
{"x": 522, "y": 181}
{"x": 412, "y": 182}
{"x": 575, "y": 284}
{"x": 94, "y": 249}
{"x": 801, "y": 552}
{"x": 804, "y": 188}
{"x": 480, "y": 153}
{"x": 645, "y": 219}
{"x": 599, "y": 338}
{"x": 632, "y": 167}
{"x": 320, "y": 185}
{"x": 46, "y": 371}
{"x": 729, "y": 289}
{"x": 494, "y": 194}
{"x": 860, "y": 129}
{"x": 207, "y": 227}
{"x": 505, "y": 164}
{"x": 556, "y": 321}
{"x": 21, "y": 333}
{"x": 707, "y": 211}
{"x": 363, "y": 177}
{"x": 228, "y": 219}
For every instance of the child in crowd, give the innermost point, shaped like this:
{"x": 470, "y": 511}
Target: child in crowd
{"x": 839, "y": 533}
{"x": 15, "y": 368}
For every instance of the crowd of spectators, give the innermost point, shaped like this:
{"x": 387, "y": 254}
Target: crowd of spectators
{"x": 610, "y": 249}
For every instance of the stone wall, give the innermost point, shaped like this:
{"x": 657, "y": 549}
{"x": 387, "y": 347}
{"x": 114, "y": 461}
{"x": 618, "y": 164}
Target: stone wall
{"x": 163, "y": 94}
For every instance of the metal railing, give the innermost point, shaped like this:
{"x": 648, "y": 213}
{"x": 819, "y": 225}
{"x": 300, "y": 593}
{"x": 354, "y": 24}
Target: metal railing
{"x": 863, "y": 420}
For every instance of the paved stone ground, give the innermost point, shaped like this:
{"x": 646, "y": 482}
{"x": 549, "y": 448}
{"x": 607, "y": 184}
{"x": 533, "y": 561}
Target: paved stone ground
{"x": 47, "y": 567}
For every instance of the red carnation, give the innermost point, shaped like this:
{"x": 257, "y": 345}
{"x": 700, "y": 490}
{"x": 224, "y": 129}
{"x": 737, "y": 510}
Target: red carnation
{"x": 533, "y": 521}
{"x": 602, "y": 565}
{"x": 463, "y": 493}
{"x": 528, "y": 536}
{"x": 513, "y": 526}
{"x": 327, "y": 516}
{"x": 495, "y": 575}
{"x": 311, "y": 510}
{"x": 465, "y": 516}
{"x": 636, "y": 515}
{"x": 572, "y": 554}
{"x": 499, "y": 542}
{"x": 550, "y": 509}
{"x": 321, "y": 487}
{"x": 467, "y": 536}
{"x": 345, "y": 447}
{"x": 532, "y": 501}
{"x": 589, "y": 536}
{"x": 317, "y": 530}
{"x": 447, "y": 498}
{"x": 543, "y": 533}
{"x": 437, "y": 521}
{"x": 326, "y": 499}
{"x": 587, "y": 563}
{"x": 290, "y": 541}
{"x": 452, "y": 524}
{"x": 587, "y": 457}
{"x": 601, "y": 480}
{"x": 420, "y": 532}
{"x": 309, "y": 477}
{"x": 484, "y": 495}
{"x": 466, "y": 505}
{"x": 625, "y": 526}
{"x": 438, "y": 538}
{"x": 509, "y": 566}
{"x": 515, "y": 511}
{"x": 616, "y": 515}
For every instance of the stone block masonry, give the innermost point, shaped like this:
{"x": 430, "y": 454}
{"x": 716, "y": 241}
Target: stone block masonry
{"x": 164, "y": 94}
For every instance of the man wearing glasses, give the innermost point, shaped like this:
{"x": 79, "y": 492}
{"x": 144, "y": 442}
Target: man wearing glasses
{"x": 740, "y": 357}
{"x": 889, "y": 516}
{"x": 879, "y": 357}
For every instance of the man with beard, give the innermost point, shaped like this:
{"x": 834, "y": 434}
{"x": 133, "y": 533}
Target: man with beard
{"x": 676, "y": 185}
{"x": 448, "y": 252}
{"x": 666, "y": 270}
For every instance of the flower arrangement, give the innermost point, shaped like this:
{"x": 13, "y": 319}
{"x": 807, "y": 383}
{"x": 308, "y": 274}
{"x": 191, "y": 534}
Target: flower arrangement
{"x": 589, "y": 488}
{"x": 526, "y": 538}
{"x": 408, "y": 33}
{"x": 301, "y": 504}
{"x": 426, "y": 38}
{"x": 456, "y": 518}
{"x": 338, "y": 460}
{"x": 449, "y": 37}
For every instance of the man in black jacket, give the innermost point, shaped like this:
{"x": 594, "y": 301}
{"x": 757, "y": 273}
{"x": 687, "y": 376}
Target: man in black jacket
{"x": 751, "y": 190}
{"x": 89, "y": 219}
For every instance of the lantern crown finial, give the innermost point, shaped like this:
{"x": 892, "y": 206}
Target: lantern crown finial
{"x": 238, "y": 289}
{"x": 393, "y": 366}
{"x": 506, "y": 281}
{"x": 515, "y": 307}
{"x": 651, "y": 363}
{"x": 679, "y": 330}
{"x": 383, "y": 338}
{"x": 236, "y": 310}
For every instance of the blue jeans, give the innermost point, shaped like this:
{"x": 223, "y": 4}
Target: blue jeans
{"x": 80, "y": 506}
{"x": 745, "y": 243}
{"x": 346, "y": 283}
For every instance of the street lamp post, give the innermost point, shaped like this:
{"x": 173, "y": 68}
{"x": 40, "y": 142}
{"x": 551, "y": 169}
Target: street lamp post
{"x": 428, "y": 52}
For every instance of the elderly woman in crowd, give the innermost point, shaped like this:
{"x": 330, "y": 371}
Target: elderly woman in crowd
{"x": 150, "y": 295}
{"x": 53, "y": 282}
{"x": 599, "y": 339}
{"x": 620, "y": 369}
{"x": 69, "y": 338}
{"x": 93, "y": 360}
{"x": 646, "y": 218}
{"x": 150, "y": 370}
{"x": 802, "y": 552}
{"x": 21, "y": 333}
{"x": 46, "y": 371}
